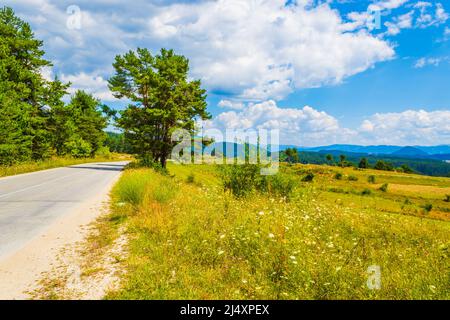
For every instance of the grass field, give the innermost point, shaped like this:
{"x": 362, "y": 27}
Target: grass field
{"x": 191, "y": 239}
{"x": 56, "y": 162}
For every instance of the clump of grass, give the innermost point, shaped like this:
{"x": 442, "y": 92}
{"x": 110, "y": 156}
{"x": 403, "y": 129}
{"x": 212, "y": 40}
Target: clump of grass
{"x": 384, "y": 187}
{"x": 371, "y": 179}
{"x": 447, "y": 198}
{"x": 132, "y": 186}
{"x": 366, "y": 192}
{"x": 190, "y": 178}
{"x": 352, "y": 178}
{"x": 165, "y": 191}
{"x": 338, "y": 176}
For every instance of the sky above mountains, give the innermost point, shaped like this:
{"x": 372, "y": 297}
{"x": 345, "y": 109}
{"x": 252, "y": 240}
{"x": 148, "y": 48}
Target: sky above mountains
{"x": 337, "y": 71}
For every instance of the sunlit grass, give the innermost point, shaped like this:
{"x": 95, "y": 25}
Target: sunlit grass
{"x": 193, "y": 240}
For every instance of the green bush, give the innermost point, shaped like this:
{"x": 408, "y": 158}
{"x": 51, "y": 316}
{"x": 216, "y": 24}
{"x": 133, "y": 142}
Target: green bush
{"x": 279, "y": 185}
{"x": 427, "y": 207}
{"x": 103, "y": 152}
{"x": 366, "y": 192}
{"x": 78, "y": 148}
{"x": 190, "y": 178}
{"x": 309, "y": 177}
{"x": 371, "y": 179}
{"x": 241, "y": 180}
{"x": 447, "y": 198}
{"x": 384, "y": 187}
{"x": 352, "y": 178}
{"x": 338, "y": 176}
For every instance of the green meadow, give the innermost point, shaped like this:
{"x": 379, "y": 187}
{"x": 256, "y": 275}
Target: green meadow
{"x": 311, "y": 232}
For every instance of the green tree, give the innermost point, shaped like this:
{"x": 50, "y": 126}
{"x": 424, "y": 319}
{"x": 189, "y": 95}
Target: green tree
{"x": 342, "y": 159}
{"x": 26, "y": 98}
{"x": 291, "y": 155}
{"x": 363, "y": 163}
{"x": 78, "y": 127}
{"x": 163, "y": 100}
{"x": 380, "y": 165}
{"x": 329, "y": 158}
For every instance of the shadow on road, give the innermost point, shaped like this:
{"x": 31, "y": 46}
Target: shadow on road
{"x": 102, "y": 167}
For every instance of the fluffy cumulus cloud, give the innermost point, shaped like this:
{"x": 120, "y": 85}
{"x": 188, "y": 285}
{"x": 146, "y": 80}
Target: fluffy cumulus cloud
{"x": 305, "y": 126}
{"x": 408, "y": 128}
{"x": 264, "y": 49}
{"x": 252, "y": 49}
{"x": 310, "y": 127}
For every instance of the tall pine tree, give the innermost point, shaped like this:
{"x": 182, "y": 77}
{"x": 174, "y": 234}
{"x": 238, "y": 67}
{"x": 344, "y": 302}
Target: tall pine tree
{"x": 26, "y": 98}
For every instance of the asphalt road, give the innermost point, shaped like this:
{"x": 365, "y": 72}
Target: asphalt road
{"x": 30, "y": 203}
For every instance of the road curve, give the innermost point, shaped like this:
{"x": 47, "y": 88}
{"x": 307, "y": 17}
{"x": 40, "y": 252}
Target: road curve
{"x": 30, "y": 203}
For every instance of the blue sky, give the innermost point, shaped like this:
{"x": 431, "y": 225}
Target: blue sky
{"x": 321, "y": 71}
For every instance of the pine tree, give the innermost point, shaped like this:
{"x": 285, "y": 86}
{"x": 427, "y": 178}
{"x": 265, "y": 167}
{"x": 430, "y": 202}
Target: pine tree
{"x": 163, "y": 100}
{"x": 25, "y": 96}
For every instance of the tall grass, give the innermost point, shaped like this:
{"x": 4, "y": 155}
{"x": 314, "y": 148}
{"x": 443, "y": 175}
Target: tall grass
{"x": 199, "y": 242}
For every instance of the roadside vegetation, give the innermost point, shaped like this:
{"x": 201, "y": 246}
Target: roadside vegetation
{"x": 202, "y": 232}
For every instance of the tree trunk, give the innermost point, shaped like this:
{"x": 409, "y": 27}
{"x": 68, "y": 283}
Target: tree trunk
{"x": 163, "y": 161}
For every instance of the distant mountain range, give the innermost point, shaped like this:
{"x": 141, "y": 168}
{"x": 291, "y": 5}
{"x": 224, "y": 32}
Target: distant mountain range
{"x": 441, "y": 152}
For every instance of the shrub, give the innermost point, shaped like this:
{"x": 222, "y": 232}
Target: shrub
{"x": 338, "y": 176}
{"x": 366, "y": 192}
{"x": 190, "y": 178}
{"x": 384, "y": 187}
{"x": 427, "y": 207}
{"x": 309, "y": 177}
{"x": 103, "y": 152}
{"x": 279, "y": 185}
{"x": 352, "y": 178}
{"x": 78, "y": 148}
{"x": 241, "y": 179}
{"x": 371, "y": 179}
{"x": 447, "y": 198}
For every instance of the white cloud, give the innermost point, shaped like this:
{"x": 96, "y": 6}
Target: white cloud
{"x": 310, "y": 127}
{"x": 263, "y": 49}
{"x": 305, "y": 126}
{"x": 410, "y": 127}
{"x": 90, "y": 83}
{"x": 253, "y": 49}
{"x": 386, "y": 4}
{"x": 236, "y": 105}
{"x": 423, "y": 62}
